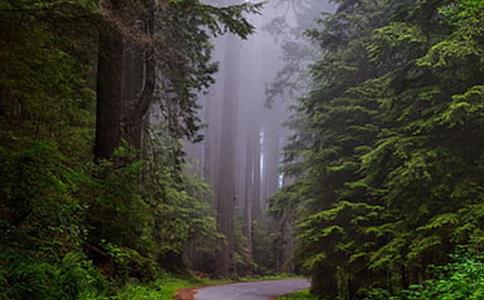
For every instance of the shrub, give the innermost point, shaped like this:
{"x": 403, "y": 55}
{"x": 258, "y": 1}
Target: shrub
{"x": 25, "y": 278}
{"x": 462, "y": 279}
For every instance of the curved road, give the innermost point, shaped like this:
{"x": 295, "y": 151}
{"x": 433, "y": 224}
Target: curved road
{"x": 261, "y": 290}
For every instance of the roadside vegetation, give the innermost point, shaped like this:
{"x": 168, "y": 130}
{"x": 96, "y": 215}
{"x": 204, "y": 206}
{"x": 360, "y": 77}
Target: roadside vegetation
{"x": 461, "y": 279}
{"x": 302, "y": 295}
{"x": 163, "y": 288}
{"x": 269, "y": 277}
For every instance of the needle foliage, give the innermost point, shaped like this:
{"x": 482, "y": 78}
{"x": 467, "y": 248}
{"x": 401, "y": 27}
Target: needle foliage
{"x": 72, "y": 228}
{"x": 389, "y": 150}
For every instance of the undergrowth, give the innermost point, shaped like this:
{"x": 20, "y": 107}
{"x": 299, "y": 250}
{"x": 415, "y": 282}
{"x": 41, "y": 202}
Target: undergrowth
{"x": 302, "y": 295}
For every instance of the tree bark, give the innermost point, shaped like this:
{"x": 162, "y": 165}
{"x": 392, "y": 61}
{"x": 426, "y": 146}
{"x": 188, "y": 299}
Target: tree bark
{"x": 249, "y": 188}
{"x": 109, "y": 110}
{"x": 256, "y": 161}
{"x": 225, "y": 194}
{"x": 125, "y": 86}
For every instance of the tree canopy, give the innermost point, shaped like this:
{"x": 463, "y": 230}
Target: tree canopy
{"x": 389, "y": 149}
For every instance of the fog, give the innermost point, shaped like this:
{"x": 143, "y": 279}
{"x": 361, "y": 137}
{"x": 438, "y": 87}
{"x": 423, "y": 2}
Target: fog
{"x": 238, "y": 103}
{"x": 245, "y": 111}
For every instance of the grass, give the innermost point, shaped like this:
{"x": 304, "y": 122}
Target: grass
{"x": 302, "y": 295}
{"x": 269, "y": 277}
{"x": 164, "y": 288}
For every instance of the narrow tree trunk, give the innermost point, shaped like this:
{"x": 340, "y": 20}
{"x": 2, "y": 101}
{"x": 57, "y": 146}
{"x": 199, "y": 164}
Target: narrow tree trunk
{"x": 256, "y": 201}
{"x": 275, "y": 152}
{"x": 249, "y": 188}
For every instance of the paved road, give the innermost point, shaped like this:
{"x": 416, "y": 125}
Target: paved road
{"x": 261, "y": 290}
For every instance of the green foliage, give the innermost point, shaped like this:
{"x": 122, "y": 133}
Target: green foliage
{"x": 38, "y": 212}
{"x": 163, "y": 289}
{"x": 183, "y": 218}
{"x": 264, "y": 248}
{"x": 219, "y": 20}
{"x": 304, "y": 295}
{"x": 71, "y": 228}
{"x": 70, "y": 278}
{"x": 463, "y": 278}
{"x": 45, "y": 131}
{"x": 44, "y": 96}
{"x": 186, "y": 28}
{"x": 117, "y": 211}
{"x": 389, "y": 152}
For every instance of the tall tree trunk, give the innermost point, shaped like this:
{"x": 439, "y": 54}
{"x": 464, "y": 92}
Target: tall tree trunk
{"x": 249, "y": 185}
{"x": 109, "y": 110}
{"x": 256, "y": 161}
{"x": 225, "y": 194}
{"x": 213, "y": 115}
{"x": 125, "y": 86}
{"x": 273, "y": 159}
{"x": 133, "y": 81}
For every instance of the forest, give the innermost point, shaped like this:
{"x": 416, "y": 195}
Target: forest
{"x": 149, "y": 146}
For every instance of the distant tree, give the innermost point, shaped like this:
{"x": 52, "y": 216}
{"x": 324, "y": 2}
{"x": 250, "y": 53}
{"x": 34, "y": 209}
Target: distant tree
{"x": 225, "y": 193}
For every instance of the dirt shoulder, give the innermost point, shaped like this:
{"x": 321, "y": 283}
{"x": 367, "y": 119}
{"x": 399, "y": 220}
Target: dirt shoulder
{"x": 186, "y": 293}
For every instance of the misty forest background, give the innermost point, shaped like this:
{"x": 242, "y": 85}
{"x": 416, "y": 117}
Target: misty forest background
{"x": 146, "y": 144}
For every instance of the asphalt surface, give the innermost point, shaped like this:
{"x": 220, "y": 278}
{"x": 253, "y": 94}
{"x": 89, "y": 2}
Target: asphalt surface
{"x": 261, "y": 290}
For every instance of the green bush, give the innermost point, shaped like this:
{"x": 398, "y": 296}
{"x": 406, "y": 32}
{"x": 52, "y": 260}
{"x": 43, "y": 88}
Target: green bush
{"x": 462, "y": 279}
{"x": 25, "y": 278}
{"x": 39, "y": 210}
{"x": 163, "y": 289}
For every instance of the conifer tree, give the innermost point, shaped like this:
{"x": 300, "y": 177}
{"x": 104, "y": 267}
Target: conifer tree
{"x": 392, "y": 144}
